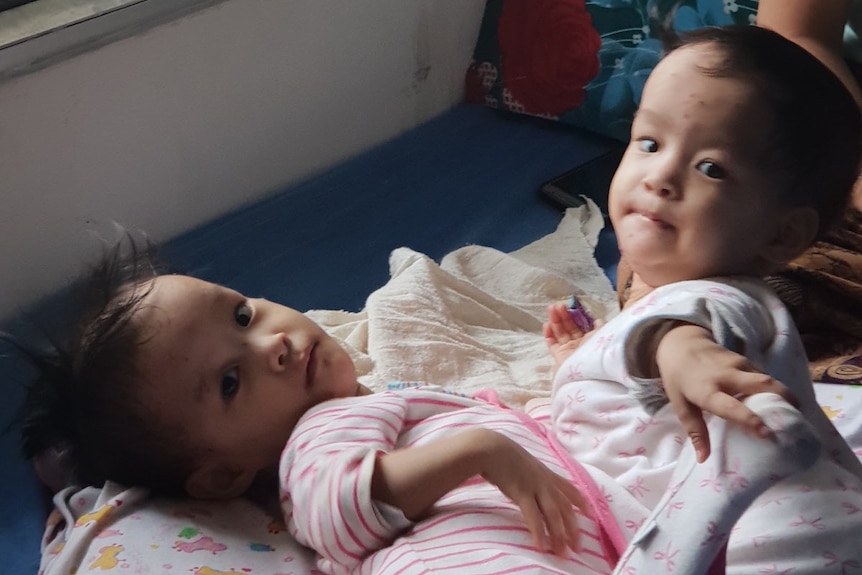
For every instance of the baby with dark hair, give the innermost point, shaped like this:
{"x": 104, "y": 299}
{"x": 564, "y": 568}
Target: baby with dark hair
{"x": 82, "y": 421}
{"x": 743, "y": 151}
{"x": 189, "y": 387}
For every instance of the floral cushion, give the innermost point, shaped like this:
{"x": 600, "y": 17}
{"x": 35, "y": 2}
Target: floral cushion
{"x": 124, "y": 531}
{"x": 584, "y": 63}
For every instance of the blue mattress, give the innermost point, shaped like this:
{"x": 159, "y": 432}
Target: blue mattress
{"x": 469, "y": 176}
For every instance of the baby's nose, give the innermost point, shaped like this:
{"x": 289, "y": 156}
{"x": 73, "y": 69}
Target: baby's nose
{"x": 276, "y": 350}
{"x": 663, "y": 179}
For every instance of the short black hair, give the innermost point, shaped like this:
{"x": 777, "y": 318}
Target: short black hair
{"x": 816, "y": 131}
{"x": 84, "y": 400}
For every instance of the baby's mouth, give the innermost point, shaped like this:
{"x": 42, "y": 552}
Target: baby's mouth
{"x": 653, "y": 218}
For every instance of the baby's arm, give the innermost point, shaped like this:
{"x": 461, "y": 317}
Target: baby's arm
{"x": 414, "y": 478}
{"x": 694, "y": 343}
{"x": 700, "y": 375}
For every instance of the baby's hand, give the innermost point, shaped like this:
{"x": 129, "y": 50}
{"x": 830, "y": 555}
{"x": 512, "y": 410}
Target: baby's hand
{"x": 545, "y": 498}
{"x": 700, "y": 375}
{"x": 562, "y": 335}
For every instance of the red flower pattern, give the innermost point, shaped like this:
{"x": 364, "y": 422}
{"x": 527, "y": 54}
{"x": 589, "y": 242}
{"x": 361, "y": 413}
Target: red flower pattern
{"x": 549, "y": 53}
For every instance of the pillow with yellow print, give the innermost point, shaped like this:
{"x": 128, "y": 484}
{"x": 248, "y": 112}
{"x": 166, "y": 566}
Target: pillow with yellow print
{"x": 122, "y": 531}
{"x": 582, "y": 62}
{"x": 842, "y": 404}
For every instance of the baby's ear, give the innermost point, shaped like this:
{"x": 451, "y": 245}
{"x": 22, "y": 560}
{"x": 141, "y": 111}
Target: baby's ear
{"x": 218, "y": 482}
{"x": 796, "y": 231}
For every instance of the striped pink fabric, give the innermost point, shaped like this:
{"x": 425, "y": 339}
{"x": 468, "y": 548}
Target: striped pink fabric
{"x": 326, "y": 473}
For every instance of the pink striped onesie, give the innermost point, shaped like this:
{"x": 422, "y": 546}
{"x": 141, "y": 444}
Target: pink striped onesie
{"x": 325, "y": 475}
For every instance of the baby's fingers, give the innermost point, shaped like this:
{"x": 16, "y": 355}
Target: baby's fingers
{"x": 698, "y": 433}
{"x": 729, "y": 406}
{"x": 751, "y": 382}
{"x": 551, "y": 515}
{"x": 572, "y": 494}
{"x": 560, "y": 522}
{"x": 691, "y": 418}
{"x": 554, "y": 517}
{"x": 572, "y": 497}
{"x": 535, "y": 522}
{"x": 561, "y": 325}
{"x": 732, "y": 409}
{"x": 570, "y": 501}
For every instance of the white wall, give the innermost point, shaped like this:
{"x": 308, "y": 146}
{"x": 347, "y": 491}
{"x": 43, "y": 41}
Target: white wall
{"x": 167, "y": 129}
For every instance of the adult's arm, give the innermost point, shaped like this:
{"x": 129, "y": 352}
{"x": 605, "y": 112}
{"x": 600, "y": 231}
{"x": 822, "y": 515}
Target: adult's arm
{"x": 817, "y": 26}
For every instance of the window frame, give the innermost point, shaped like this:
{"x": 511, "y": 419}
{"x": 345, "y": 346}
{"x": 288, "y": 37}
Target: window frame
{"x": 9, "y": 4}
{"x": 43, "y": 32}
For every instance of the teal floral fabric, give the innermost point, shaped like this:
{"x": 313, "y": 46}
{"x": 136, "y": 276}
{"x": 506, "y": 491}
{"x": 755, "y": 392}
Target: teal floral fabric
{"x": 582, "y": 62}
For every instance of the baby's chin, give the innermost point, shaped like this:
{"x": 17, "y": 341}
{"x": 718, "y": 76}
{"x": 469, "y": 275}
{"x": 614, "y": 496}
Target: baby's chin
{"x": 652, "y": 277}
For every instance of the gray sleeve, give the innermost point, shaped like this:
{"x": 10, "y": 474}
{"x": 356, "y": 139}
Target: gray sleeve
{"x": 737, "y": 321}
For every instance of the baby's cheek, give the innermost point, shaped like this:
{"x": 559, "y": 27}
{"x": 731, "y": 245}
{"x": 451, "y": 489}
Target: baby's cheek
{"x": 345, "y": 372}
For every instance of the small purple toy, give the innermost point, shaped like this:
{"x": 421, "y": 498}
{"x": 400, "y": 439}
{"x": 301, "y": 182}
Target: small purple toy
{"x": 580, "y": 315}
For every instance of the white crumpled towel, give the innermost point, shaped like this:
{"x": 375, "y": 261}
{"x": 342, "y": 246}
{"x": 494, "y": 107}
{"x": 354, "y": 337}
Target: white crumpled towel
{"x": 475, "y": 320}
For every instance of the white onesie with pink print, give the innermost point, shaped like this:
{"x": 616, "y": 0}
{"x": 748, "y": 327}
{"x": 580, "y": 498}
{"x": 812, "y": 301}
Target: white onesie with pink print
{"x": 624, "y": 432}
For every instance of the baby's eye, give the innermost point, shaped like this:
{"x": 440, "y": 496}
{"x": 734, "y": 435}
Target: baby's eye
{"x": 711, "y": 170}
{"x": 230, "y": 383}
{"x": 243, "y": 313}
{"x": 647, "y": 145}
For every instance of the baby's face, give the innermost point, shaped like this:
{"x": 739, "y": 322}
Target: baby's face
{"x": 690, "y": 199}
{"x": 234, "y": 373}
